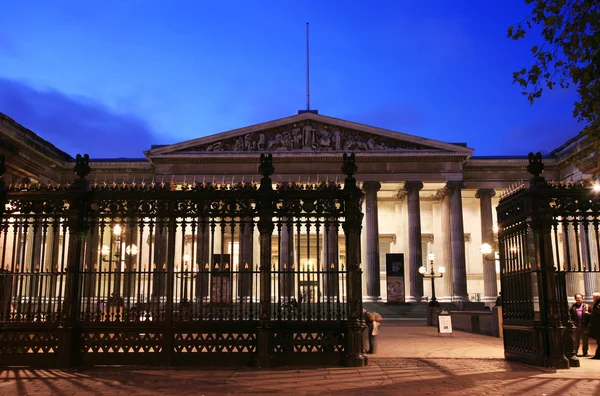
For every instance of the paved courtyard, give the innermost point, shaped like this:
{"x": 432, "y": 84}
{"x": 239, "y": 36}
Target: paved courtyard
{"x": 411, "y": 360}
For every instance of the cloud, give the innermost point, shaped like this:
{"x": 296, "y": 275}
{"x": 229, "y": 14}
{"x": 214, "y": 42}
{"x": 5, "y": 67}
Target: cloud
{"x": 75, "y": 124}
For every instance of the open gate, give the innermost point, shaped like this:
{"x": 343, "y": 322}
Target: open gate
{"x": 549, "y": 249}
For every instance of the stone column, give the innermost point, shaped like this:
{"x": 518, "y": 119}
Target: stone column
{"x": 457, "y": 240}
{"x": 589, "y": 278}
{"x": 570, "y": 259}
{"x": 490, "y": 286}
{"x": 286, "y": 275}
{"x": 330, "y": 258}
{"x": 373, "y": 288}
{"x": 446, "y": 247}
{"x": 246, "y": 262}
{"x": 415, "y": 255}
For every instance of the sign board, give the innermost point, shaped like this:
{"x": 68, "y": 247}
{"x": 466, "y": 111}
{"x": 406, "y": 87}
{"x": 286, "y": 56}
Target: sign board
{"x": 444, "y": 324}
{"x": 394, "y": 269}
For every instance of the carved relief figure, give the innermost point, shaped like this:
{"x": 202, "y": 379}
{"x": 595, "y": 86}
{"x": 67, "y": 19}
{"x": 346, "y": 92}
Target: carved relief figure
{"x": 239, "y": 144}
{"x": 217, "y": 146}
{"x": 325, "y": 140}
{"x": 337, "y": 137}
{"x": 313, "y": 135}
{"x": 261, "y": 141}
{"x": 274, "y": 142}
{"x": 249, "y": 144}
{"x": 307, "y": 131}
{"x": 297, "y": 135}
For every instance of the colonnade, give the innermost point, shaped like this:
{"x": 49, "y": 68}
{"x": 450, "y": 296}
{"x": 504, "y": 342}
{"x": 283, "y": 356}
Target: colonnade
{"x": 452, "y": 241}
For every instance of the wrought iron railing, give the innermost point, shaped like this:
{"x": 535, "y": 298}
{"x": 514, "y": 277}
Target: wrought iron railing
{"x": 549, "y": 250}
{"x": 87, "y": 255}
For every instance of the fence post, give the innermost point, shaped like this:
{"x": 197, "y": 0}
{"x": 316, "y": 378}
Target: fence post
{"x": 541, "y": 226}
{"x": 5, "y": 279}
{"x": 352, "y": 227}
{"x": 265, "y": 228}
{"x": 2, "y": 186}
{"x": 169, "y": 331}
{"x": 77, "y": 220}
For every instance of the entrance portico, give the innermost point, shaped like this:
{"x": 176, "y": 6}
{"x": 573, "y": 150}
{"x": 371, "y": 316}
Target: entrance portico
{"x": 421, "y": 196}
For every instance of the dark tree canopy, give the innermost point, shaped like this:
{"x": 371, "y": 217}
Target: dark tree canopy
{"x": 569, "y": 54}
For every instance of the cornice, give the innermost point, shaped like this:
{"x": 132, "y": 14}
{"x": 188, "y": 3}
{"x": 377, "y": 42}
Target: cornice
{"x": 300, "y": 158}
{"x": 30, "y": 140}
{"x": 122, "y": 170}
{"x": 496, "y": 168}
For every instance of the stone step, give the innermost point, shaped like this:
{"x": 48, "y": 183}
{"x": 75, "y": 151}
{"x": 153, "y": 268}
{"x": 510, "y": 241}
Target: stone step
{"x": 405, "y": 310}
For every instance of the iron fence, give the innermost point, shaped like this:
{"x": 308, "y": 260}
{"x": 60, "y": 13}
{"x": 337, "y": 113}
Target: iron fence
{"x": 549, "y": 249}
{"x": 181, "y": 273}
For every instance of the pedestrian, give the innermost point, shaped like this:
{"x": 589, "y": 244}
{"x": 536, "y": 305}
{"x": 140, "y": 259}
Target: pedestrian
{"x": 594, "y": 327}
{"x": 580, "y": 315}
{"x": 373, "y": 320}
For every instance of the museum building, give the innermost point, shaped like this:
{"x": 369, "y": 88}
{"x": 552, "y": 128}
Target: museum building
{"x": 424, "y": 200}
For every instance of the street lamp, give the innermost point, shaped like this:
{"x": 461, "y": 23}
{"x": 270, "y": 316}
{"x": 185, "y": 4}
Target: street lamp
{"x": 121, "y": 255}
{"x": 486, "y": 249}
{"x": 432, "y": 276}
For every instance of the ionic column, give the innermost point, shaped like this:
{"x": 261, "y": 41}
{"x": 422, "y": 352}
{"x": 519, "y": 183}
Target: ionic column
{"x": 330, "y": 257}
{"x": 287, "y": 258}
{"x": 415, "y": 255}
{"x": 446, "y": 247}
{"x": 490, "y": 287}
{"x": 246, "y": 262}
{"x": 457, "y": 240}
{"x": 570, "y": 259}
{"x": 589, "y": 278}
{"x": 372, "y": 267}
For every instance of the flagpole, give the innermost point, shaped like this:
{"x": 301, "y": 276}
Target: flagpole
{"x": 307, "y": 72}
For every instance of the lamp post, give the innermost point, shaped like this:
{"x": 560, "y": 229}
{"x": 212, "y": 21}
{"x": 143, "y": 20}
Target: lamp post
{"x": 486, "y": 249}
{"x": 432, "y": 275}
{"x": 120, "y": 262}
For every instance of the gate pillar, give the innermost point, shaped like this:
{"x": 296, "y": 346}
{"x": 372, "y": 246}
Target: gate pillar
{"x": 265, "y": 227}
{"x": 354, "y": 356}
{"x": 69, "y": 353}
{"x": 541, "y": 226}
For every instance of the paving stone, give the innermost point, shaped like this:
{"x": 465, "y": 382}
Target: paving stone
{"x": 411, "y": 360}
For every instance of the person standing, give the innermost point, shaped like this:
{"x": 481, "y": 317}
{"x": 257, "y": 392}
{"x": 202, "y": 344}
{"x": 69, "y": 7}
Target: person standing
{"x": 580, "y": 315}
{"x": 594, "y": 329}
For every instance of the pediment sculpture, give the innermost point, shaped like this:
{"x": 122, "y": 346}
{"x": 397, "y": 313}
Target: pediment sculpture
{"x": 307, "y": 136}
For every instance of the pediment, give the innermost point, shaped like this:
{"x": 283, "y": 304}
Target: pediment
{"x": 308, "y": 132}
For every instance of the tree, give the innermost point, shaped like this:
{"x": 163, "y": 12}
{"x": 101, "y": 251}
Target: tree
{"x": 570, "y": 54}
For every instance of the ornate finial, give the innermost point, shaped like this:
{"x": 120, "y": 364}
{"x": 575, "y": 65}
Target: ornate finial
{"x": 266, "y": 167}
{"x": 82, "y": 167}
{"x": 349, "y": 167}
{"x": 536, "y": 167}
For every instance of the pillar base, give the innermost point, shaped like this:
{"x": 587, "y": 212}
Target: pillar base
{"x": 489, "y": 300}
{"x": 412, "y": 299}
{"x": 461, "y": 299}
{"x": 372, "y": 299}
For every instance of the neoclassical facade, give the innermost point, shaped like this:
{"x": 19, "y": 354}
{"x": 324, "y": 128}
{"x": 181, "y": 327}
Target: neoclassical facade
{"x": 421, "y": 196}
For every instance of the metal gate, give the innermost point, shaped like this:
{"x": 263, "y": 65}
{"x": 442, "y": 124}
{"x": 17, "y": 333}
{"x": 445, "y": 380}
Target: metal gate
{"x": 167, "y": 273}
{"x": 549, "y": 250}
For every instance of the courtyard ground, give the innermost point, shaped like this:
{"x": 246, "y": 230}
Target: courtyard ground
{"x": 411, "y": 360}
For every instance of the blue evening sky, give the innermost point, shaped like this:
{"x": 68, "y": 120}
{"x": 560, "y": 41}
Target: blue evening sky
{"x": 112, "y": 77}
